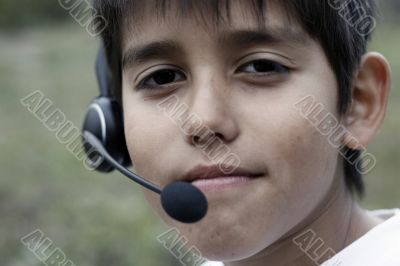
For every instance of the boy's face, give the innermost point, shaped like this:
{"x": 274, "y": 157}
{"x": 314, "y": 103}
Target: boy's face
{"x": 254, "y": 116}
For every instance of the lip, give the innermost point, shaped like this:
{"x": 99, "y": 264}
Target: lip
{"x": 213, "y": 178}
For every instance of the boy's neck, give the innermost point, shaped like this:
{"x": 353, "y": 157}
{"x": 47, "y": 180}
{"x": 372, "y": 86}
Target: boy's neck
{"x": 335, "y": 224}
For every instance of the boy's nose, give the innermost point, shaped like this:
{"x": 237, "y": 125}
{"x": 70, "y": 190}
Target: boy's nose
{"x": 212, "y": 105}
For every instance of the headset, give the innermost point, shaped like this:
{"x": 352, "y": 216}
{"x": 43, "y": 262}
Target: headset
{"x": 104, "y": 118}
{"x": 103, "y": 130}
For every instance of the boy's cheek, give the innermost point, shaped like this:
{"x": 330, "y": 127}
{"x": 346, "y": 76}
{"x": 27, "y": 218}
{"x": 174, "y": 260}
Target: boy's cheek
{"x": 301, "y": 164}
{"x": 306, "y": 153}
{"x": 149, "y": 138}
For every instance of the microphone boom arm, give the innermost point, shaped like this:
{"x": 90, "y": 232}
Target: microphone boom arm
{"x": 95, "y": 143}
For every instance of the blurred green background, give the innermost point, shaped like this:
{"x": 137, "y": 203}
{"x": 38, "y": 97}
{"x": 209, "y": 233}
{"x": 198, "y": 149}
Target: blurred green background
{"x": 103, "y": 219}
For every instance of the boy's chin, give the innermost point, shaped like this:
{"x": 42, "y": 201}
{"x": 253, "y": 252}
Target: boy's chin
{"x": 226, "y": 244}
{"x": 229, "y": 249}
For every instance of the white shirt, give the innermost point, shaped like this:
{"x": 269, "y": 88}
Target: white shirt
{"x": 378, "y": 247}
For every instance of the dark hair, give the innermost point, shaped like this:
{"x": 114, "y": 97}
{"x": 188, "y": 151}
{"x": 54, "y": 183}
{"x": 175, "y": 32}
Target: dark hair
{"x": 342, "y": 27}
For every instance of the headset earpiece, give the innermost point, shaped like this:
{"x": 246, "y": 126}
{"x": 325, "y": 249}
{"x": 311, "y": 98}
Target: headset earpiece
{"x": 104, "y": 119}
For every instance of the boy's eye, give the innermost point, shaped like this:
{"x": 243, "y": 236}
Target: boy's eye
{"x": 166, "y": 77}
{"x": 264, "y": 67}
{"x": 161, "y": 78}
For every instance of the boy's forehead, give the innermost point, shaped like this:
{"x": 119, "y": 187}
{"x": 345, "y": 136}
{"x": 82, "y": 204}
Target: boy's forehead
{"x": 145, "y": 25}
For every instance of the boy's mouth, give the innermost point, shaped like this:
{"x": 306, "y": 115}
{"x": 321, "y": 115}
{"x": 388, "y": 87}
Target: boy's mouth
{"x": 208, "y": 178}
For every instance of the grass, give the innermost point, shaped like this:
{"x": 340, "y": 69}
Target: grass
{"x": 103, "y": 219}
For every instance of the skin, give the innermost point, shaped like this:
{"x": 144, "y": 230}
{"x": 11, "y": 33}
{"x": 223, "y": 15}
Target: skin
{"x": 302, "y": 186}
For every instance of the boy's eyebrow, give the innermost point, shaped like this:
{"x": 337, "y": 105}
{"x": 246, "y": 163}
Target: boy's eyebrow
{"x": 152, "y": 50}
{"x": 168, "y": 48}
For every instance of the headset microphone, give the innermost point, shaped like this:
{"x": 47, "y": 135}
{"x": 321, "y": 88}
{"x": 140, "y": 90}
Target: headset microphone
{"x": 180, "y": 200}
{"x": 103, "y": 130}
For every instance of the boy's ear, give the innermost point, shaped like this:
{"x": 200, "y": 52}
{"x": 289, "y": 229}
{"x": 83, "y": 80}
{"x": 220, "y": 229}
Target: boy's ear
{"x": 371, "y": 87}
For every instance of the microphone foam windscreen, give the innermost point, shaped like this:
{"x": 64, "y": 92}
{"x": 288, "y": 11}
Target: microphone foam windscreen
{"x": 184, "y": 202}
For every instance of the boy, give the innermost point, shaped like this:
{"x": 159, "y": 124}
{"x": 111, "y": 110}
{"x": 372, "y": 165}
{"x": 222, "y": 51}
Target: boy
{"x": 266, "y": 79}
